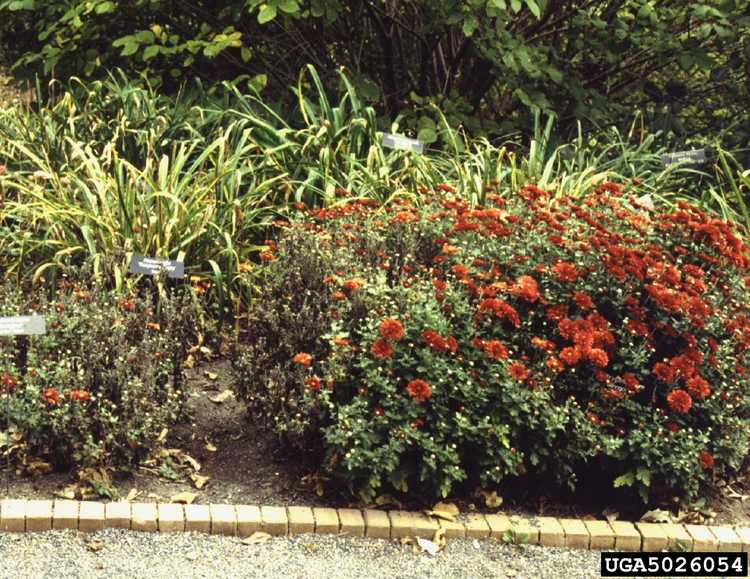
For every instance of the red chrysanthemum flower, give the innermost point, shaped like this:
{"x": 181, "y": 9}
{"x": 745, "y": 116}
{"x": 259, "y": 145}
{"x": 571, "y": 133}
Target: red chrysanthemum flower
{"x": 51, "y": 396}
{"x": 565, "y": 271}
{"x": 698, "y": 387}
{"x": 554, "y": 364}
{"x": 526, "y": 289}
{"x": 518, "y": 371}
{"x": 80, "y": 395}
{"x": 419, "y": 390}
{"x": 583, "y": 301}
{"x": 664, "y": 372}
{"x": 382, "y": 349}
{"x": 354, "y": 284}
{"x": 391, "y": 329}
{"x": 303, "y": 359}
{"x": 679, "y": 401}
{"x": 706, "y": 459}
{"x": 496, "y": 350}
{"x": 313, "y": 383}
{"x": 267, "y": 256}
{"x": 570, "y": 355}
{"x": 598, "y": 357}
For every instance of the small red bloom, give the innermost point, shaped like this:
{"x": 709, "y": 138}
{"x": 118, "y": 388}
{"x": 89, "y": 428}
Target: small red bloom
{"x": 706, "y": 459}
{"x": 570, "y": 355}
{"x": 303, "y": 359}
{"x": 496, "y": 350}
{"x": 313, "y": 383}
{"x": 419, "y": 390}
{"x": 565, "y": 271}
{"x": 391, "y": 329}
{"x": 526, "y": 288}
{"x": 80, "y": 395}
{"x": 51, "y": 396}
{"x": 267, "y": 256}
{"x": 518, "y": 371}
{"x": 382, "y": 349}
{"x": 679, "y": 401}
{"x": 354, "y": 284}
{"x": 598, "y": 357}
{"x": 698, "y": 387}
{"x": 583, "y": 301}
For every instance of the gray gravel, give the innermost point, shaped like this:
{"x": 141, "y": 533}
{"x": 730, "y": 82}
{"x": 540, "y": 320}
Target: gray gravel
{"x": 64, "y": 554}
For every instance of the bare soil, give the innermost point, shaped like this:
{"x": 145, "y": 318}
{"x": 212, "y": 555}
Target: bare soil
{"x": 244, "y": 466}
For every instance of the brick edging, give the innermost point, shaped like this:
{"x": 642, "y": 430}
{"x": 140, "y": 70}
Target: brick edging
{"x": 243, "y": 520}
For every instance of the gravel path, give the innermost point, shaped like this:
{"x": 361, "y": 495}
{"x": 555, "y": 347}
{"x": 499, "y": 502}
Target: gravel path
{"x": 116, "y": 553}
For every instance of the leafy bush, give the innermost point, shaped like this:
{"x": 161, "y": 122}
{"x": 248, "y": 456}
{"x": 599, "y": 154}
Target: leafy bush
{"x": 99, "y": 388}
{"x": 443, "y": 347}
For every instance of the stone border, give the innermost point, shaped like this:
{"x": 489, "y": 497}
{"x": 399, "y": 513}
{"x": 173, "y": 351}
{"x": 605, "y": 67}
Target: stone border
{"x": 242, "y": 520}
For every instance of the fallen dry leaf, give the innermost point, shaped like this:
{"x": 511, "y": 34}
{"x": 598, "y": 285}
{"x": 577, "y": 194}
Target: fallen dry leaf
{"x": 657, "y": 516}
{"x": 256, "y": 538}
{"x": 69, "y": 492}
{"x": 163, "y": 435}
{"x": 439, "y": 538}
{"x": 189, "y": 362}
{"x": 210, "y": 447}
{"x": 199, "y": 481}
{"x": 222, "y": 397}
{"x": 492, "y": 500}
{"x": 184, "y": 498}
{"x": 36, "y": 467}
{"x": 449, "y": 508}
{"x": 95, "y": 546}
{"x": 192, "y": 462}
{"x": 134, "y": 492}
{"x": 211, "y": 375}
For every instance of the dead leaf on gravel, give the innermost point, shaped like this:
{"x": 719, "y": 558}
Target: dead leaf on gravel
{"x": 36, "y": 467}
{"x": 194, "y": 463}
{"x": 657, "y": 516}
{"x": 439, "y": 538}
{"x": 222, "y": 397}
{"x": 199, "y": 481}
{"x": 69, "y": 492}
{"x": 95, "y": 546}
{"x": 428, "y": 546}
{"x": 184, "y": 498}
{"x": 256, "y": 538}
{"x": 210, "y": 446}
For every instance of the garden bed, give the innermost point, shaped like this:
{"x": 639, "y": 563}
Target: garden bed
{"x": 248, "y": 468}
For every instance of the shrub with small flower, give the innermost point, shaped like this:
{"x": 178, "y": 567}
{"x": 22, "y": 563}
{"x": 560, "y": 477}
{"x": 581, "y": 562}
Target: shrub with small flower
{"x": 537, "y": 335}
{"x": 100, "y": 387}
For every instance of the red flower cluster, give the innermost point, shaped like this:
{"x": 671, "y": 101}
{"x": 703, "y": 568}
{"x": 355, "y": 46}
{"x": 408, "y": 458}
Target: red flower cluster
{"x": 80, "y": 395}
{"x": 679, "y": 401}
{"x": 436, "y": 342}
{"x": 391, "y": 329}
{"x": 419, "y": 390}
{"x": 495, "y": 349}
{"x": 303, "y": 359}
{"x": 51, "y": 396}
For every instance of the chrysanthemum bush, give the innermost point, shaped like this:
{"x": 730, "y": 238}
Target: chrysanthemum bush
{"x": 442, "y": 347}
{"x": 102, "y": 385}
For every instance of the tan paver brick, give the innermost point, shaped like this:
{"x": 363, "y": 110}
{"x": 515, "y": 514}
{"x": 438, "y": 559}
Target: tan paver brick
{"x": 401, "y": 524}
{"x": 327, "y": 521}
{"x": 551, "y": 533}
{"x": 171, "y": 518}
{"x": 352, "y": 522}
{"x": 654, "y": 536}
{"x": 424, "y": 526}
{"x": 274, "y": 520}
{"x": 499, "y": 525}
{"x": 38, "y": 516}
{"x": 728, "y": 539}
{"x": 65, "y": 514}
{"x": 91, "y": 516}
{"x": 223, "y": 520}
{"x": 677, "y": 536}
{"x": 576, "y": 534}
{"x": 744, "y": 534}
{"x": 703, "y": 538}
{"x": 524, "y": 530}
{"x": 143, "y": 517}
{"x": 13, "y": 515}
{"x": 627, "y": 537}
{"x": 602, "y": 535}
{"x": 301, "y": 520}
{"x": 198, "y": 518}
{"x": 249, "y": 520}
{"x": 476, "y": 525}
{"x": 453, "y": 529}
{"x": 377, "y": 524}
{"x": 117, "y": 515}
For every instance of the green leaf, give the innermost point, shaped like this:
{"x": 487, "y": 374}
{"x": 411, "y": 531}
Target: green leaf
{"x": 470, "y": 25}
{"x": 22, "y": 5}
{"x": 516, "y": 5}
{"x": 427, "y": 136}
{"x": 246, "y": 54}
{"x": 129, "y": 48}
{"x": 289, "y": 6}
{"x": 105, "y": 8}
{"x": 151, "y": 52}
{"x": 266, "y": 14}
{"x": 643, "y": 475}
{"x": 625, "y": 480}
{"x": 534, "y": 7}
